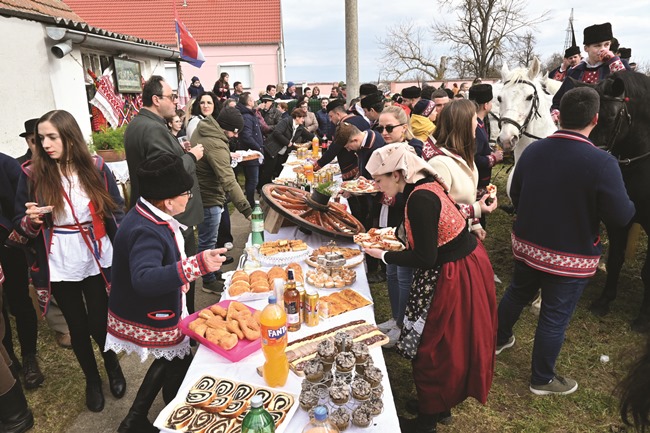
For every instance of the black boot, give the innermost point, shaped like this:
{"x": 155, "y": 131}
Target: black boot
{"x": 94, "y": 395}
{"x": 136, "y": 420}
{"x": 15, "y": 415}
{"x": 426, "y": 423}
{"x": 116, "y": 380}
{"x": 175, "y": 374}
{"x": 32, "y": 372}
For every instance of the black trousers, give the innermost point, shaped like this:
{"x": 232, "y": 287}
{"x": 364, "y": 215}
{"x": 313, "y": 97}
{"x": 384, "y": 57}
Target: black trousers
{"x": 84, "y": 305}
{"x": 224, "y": 236}
{"x": 191, "y": 249}
{"x": 18, "y": 302}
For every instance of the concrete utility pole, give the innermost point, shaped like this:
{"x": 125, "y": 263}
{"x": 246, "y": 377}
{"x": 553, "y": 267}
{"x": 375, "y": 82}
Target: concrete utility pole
{"x": 351, "y": 49}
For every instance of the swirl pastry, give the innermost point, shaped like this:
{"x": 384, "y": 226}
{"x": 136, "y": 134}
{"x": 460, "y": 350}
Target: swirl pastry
{"x": 281, "y": 402}
{"x": 278, "y": 417}
{"x": 243, "y": 392}
{"x": 222, "y": 425}
{"x": 181, "y": 417}
{"x": 201, "y": 421}
{"x": 200, "y": 398}
{"x": 265, "y": 394}
{"x": 206, "y": 383}
{"x": 218, "y": 404}
{"x": 225, "y": 387}
{"x": 234, "y": 409}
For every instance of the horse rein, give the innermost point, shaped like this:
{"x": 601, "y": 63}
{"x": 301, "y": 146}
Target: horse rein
{"x": 623, "y": 113}
{"x": 534, "y": 111}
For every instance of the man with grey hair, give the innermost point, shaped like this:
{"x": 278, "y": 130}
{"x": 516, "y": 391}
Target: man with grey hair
{"x": 560, "y": 202}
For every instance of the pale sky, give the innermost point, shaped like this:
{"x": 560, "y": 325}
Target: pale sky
{"x": 314, "y": 31}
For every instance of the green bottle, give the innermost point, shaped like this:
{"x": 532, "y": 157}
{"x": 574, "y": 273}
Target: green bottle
{"x": 257, "y": 420}
{"x": 257, "y": 218}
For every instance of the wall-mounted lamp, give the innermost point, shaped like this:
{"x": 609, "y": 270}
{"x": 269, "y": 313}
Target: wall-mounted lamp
{"x": 184, "y": 3}
{"x": 62, "y": 49}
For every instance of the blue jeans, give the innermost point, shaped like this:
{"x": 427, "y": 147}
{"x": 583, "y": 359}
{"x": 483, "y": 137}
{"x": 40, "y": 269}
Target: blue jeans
{"x": 560, "y": 296}
{"x": 399, "y": 279}
{"x": 208, "y": 230}
{"x": 252, "y": 175}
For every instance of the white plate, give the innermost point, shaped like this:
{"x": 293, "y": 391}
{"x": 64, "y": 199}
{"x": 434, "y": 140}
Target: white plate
{"x": 283, "y": 259}
{"x": 349, "y": 263}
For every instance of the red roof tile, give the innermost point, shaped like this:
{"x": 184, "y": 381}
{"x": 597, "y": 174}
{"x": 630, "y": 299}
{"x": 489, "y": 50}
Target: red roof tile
{"x": 52, "y": 8}
{"x": 211, "y": 22}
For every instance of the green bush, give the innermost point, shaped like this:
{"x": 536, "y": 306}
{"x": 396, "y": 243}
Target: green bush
{"x": 108, "y": 138}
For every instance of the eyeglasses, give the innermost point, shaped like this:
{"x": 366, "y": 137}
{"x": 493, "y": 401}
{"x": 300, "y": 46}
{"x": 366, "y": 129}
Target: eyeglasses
{"x": 188, "y": 194}
{"x": 389, "y": 128}
{"x": 171, "y": 97}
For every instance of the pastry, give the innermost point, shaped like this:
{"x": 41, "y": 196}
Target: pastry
{"x": 222, "y": 425}
{"x": 243, "y": 392}
{"x": 339, "y": 392}
{"x": 236, "y": 308}
{"x": 181, "y": 417}
{"x": 239, "y": 276}
{"x": 374, "y": 405}
{"x": 341, "y": 418}
{"x": 276, "y": 272}
{"x": 225, "y": 387}
{"x": 361, "y": 416}
{"x": 201, "y": 422}
{"x": 308, "y": 400}
{"x": 200, "y": 398}
{"x": 314, "y": 370}
{"x": 327, "y": 350}
{"x": 360, "y": 352}
{"x": 281, "y": 401}
{"x": 361, "y": 368}
{"x": 265, "y": 394}
{"x": 234, "y": 409}
{"x": 360, "y": 389}
{"x": 238, "y": 288}
{"x": 344, "y": 301}
{"x": 373, "y": 375}
{"x": 206, "y": 314}
{"x": 206, "y": 383}
{"x": 218, "y": 310}
{"x": 218, "y": 404}
{"x": 278, "y": 416}
{"x": 282, "y": 246}
{"x": 344, "y": 362}
{"x": 378, "y": 391}
{"x": 342, "y": 341}
{"x": 383, "y": 239}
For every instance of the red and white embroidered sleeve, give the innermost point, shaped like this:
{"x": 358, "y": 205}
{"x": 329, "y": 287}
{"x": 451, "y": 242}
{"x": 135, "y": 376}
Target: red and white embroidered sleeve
{"x": 616, "y": 65}
{"x": 192, "y": 268}
{"x": 467, "y": 210}
{"x": 28, "y": 228}
{"x": 492, "y": 160}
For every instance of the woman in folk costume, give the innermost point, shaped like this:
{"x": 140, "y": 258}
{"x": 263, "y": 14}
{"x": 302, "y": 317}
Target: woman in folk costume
{"x": 450, "y": 323}
{"x": 150, "y": 278}
{"x": 72, "y": 210}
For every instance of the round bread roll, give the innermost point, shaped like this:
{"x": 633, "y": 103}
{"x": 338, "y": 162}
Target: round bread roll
{"x": 277, "y": 272}
{"x": 297, "y": 269}
{"x": 258, "y": 275}
{"x": 260, "y": 287}
{"x": 239, "y": 276}
{"x": 238, "y": 288}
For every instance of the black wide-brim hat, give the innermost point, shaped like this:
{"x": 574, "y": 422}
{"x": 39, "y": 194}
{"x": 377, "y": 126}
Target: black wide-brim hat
{"x": 481, "y": 93}
{"x": 571, "y": 51}
{"x": 30, "y": 125}
{"x": 598, "y": 33}
{"x": 163, "y": 177}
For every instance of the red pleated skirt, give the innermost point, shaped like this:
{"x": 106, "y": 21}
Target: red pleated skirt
{"x": 456, "y": 357}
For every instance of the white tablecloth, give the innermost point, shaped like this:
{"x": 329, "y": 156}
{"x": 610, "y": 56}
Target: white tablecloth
{"x": 120, "y": 170}
{"x": 208, "y": 362}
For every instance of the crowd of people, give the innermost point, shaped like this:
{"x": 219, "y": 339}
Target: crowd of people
{"x": 125, "y": 281}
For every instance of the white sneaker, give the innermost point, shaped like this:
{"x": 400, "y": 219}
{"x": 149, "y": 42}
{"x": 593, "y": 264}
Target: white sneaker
{"x": 228, "y": 245}
{"x": 393, "y": 337}
{"x": 387, "y": 325}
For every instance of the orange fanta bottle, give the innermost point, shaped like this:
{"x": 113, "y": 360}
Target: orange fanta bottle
{"x": 274, "y": 343}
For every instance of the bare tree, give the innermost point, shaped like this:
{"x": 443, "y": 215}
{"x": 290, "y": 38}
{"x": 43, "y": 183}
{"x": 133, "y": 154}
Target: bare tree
{"x": 484, "y": 31}
{"x": 524, "y": 49}
{"x": 408, "y": 55}
{"x": 553, "y": 62}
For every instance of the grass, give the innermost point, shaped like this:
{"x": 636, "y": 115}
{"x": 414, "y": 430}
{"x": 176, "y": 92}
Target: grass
{"x": 511, "y": 406}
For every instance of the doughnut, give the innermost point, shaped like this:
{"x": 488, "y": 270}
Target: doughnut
{"x": 239, "y": 276}
{"x": 218, "y": 404}
{"x": 234, "y": 409}
{"x": 238, "y": 288}
{"x": 200, "y": 398}
{"x": 206, "y": 383}
{"x": 236, "y": 307}
{"x": 249, "y": 327}
{"x": 225, "y": 387}
{"x": 261, "y": 275}
{"x": 243, "y": 392}
{"x": 181, "y": 417}
{"x": 218, "y": 310}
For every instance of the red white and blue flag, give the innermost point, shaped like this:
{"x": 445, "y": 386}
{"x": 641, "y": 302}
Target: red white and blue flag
{"x": 188, "y": 46}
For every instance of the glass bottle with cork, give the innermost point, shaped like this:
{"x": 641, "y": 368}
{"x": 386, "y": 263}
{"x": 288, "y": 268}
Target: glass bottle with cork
{"x": 292, "y": 304}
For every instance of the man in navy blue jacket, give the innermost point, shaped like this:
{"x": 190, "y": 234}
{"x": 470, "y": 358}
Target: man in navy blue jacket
{"x": 562, "y": 187}
{"x": 250, "y": 138}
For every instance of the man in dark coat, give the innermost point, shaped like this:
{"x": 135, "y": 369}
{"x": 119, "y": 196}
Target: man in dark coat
{"x": 571, "y": 59}
{"x": 250, "y": 138}
{"x": 28, "y": 135}
{"x": 147, "y": 136}
{"x": 555, "y": 239}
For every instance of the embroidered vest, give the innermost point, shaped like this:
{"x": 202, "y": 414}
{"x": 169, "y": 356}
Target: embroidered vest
{"x": 451, "y": 222}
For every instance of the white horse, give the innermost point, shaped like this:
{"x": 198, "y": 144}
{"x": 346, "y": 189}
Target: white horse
{"x": 524, "y": 110}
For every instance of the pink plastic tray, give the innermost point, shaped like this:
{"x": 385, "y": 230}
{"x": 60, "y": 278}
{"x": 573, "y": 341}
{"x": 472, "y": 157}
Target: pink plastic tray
{"x": 237, "y": 353}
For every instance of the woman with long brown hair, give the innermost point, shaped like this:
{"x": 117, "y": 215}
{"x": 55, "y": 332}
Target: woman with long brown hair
{"x": 454, "y": 160}
{"x": 72, "y": 210}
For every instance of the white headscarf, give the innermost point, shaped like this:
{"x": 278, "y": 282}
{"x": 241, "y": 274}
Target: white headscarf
{"x": 402, "y": 157}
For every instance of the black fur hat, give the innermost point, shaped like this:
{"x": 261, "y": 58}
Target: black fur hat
{"x": 163, "y": 177}
{"x": 481, "y": 93}
{"x": 411, "y": 92}
{"x": 571, "y": 51}
{"x": 598, "y": 33}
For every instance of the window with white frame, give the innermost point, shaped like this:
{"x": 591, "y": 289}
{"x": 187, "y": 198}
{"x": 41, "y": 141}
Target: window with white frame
{"x": 171, "y": 76}
{"x": 238, "y": 72}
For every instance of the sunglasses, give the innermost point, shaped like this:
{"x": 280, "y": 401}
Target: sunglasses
{"x": 389, "y": 128}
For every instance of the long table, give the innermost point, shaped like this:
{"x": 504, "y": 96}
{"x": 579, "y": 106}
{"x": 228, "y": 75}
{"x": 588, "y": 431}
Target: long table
{"x": 208, "y": 362}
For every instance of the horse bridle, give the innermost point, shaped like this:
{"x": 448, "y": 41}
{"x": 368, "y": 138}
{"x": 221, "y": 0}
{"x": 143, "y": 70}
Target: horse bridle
{"x": 623, "y": 114}
{"x": 534, "y": 112}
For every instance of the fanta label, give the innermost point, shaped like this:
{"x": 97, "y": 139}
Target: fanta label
{"x": 274, "y": 334}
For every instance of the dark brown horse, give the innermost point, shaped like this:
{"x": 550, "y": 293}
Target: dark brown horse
{"x": 624, "y": 130}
